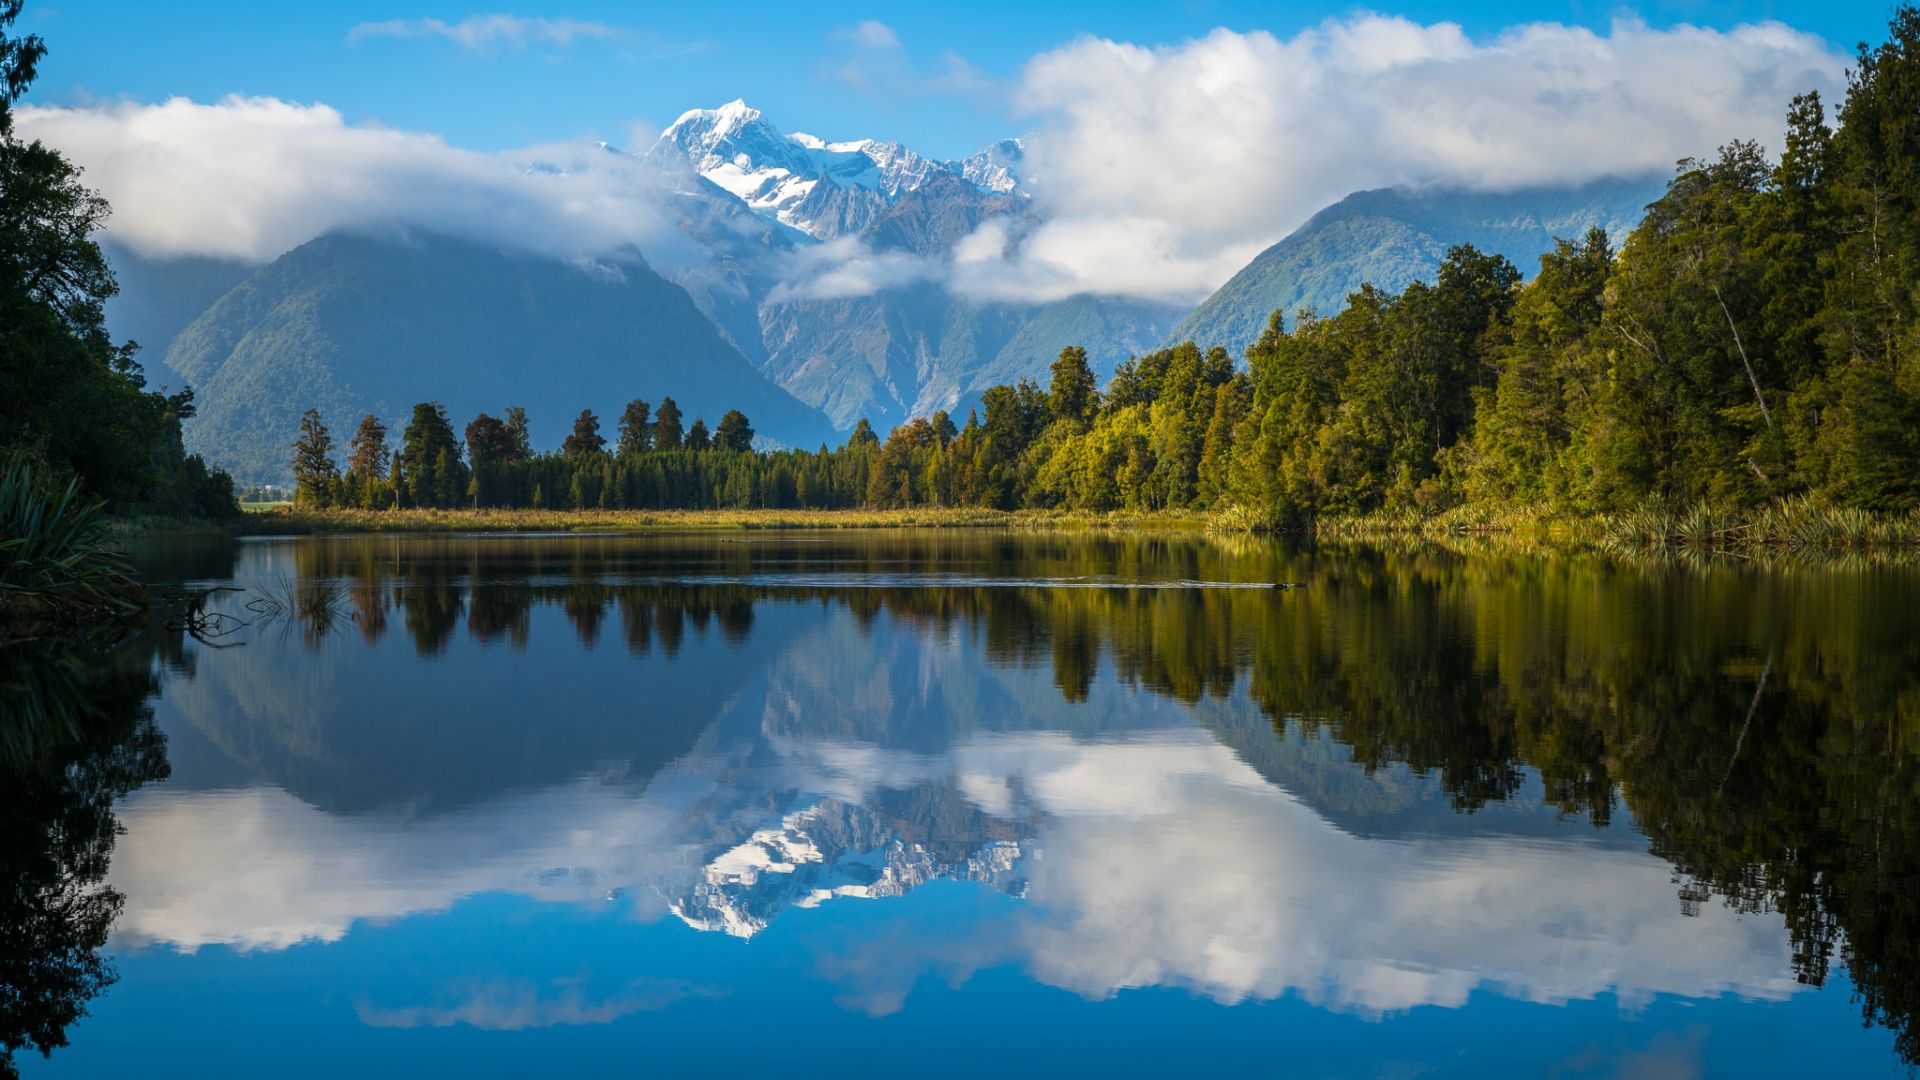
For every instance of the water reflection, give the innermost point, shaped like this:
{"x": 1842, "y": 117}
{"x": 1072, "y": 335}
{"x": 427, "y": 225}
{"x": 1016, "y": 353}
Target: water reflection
{"x": 1422, "y": 776}
{"x": 76, "y": 734}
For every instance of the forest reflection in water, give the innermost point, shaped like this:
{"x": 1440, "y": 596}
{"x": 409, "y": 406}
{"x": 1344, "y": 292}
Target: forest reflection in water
{"x": 1756, "y": 725}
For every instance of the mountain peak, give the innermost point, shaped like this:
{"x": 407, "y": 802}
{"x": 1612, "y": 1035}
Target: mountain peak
{"x": 817, "y": 186}
{"x": 731, "y": 115}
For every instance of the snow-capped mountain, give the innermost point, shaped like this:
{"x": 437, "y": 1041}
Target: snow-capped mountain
{"x": 828, "y": 850}
{"x": 824, "y": 189}
{"x": 1000, "y": 168}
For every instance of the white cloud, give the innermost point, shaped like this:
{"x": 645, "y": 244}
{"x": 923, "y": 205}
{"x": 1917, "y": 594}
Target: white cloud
{"x": 254, "y": 177}
{"x": 1164, "y": 169}
{"x": 484, "y": 33}
{"x": 876, "y": 63}
{"x": 518, "y": 1005}
{"x": 870, "y": 34}
{"x": 1160, "y": 859}
{"x": 844, "y": 267}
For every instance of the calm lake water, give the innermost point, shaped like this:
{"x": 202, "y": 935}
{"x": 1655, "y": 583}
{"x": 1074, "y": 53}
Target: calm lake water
{"x": 959, "y": 803}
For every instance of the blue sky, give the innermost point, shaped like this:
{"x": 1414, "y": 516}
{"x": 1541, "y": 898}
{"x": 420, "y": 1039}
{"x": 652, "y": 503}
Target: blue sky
{"x": 788, "y": 59}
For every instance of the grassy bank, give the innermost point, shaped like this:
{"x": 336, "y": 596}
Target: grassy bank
{"x": 1798, "y": 525}
{"x": 1792, "y": 525}
{"x": 283, "y": 522}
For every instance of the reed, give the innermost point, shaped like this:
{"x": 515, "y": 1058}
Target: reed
{"x": 1795, "y": 523}
{"x": 56, "y": 560}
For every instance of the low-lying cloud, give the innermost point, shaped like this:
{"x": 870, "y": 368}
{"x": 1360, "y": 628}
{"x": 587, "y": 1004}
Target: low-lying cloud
{"x": 251, "y": 178}
{"x": 844, "y": 267}
{"x": 1165, "y": 169}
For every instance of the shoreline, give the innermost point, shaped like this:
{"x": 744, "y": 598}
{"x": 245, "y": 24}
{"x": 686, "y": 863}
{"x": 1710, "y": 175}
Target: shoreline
{"x": 308, "y": 522}
{"x": 1786, "y": 529}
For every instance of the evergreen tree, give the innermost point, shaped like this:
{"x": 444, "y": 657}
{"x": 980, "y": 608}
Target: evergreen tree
{"x": 697, "y": 437}
{"x": 431, "y": 473}
{"x": 313, "y": 469}
{"x": 666, "y": 426}
{"x": 491, "y": 450}
{"x": 734, "y": 433}
{"x": 368, "y": 449}
{"x": 586, "y": 436}
{"x": 1073, "y": 394}
{"x": 517, "y": 430}
{"x": 636, "y": 429}
{"x": 943, "y": 430}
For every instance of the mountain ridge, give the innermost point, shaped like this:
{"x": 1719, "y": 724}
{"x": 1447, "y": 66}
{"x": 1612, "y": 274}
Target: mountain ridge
{"x": 1391, "y": 237}
{"x": 352, "y": 324}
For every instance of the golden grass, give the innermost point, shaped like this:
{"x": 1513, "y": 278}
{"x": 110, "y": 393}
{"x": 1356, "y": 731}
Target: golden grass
{"x": 287, "y": 521}
{"x": 1800, "y": 528}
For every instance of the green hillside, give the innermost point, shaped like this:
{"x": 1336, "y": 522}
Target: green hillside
{"x": 353, "y": 324}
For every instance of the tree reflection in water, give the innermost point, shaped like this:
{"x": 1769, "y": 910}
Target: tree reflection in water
{"x": 76, "y": 734}
{"x": 1759, "y": 726}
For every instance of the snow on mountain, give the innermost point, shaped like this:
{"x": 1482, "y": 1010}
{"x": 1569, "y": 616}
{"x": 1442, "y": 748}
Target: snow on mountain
{"x": 822, "y": 188}
{"x": 828, "y": 850}
{"x": 999, "y": 168}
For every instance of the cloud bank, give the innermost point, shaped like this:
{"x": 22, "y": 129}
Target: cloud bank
{"x": 251, "y": 178}
{"x": 1157, "y": 171}
{"x": 1166, "y": 169}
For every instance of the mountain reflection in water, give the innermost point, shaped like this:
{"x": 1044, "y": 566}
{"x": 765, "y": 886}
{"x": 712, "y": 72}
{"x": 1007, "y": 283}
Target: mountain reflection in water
{"x": 1425, "y": 776}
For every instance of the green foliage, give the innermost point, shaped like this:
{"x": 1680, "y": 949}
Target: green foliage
{"x": 429, "y": 471}
{"x": 68, "y": 394}
{"x": 734, "y": 433}
{"x": 314, "y": 472}
{"x": 666, "y": 426}
{"x": 55, "y": 560}
{"x": 586, "y": 435}
{"x": 1073, "y": 395}
{"x": 367, "y": 450}
{"x": 636, "y": 429}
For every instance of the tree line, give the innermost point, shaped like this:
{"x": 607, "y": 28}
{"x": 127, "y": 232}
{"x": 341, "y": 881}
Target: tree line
{"x": 1753, "y": 338}
{"x": 656, "y": 461}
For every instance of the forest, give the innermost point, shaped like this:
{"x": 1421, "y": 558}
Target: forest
{"x": 1752, "y": 340}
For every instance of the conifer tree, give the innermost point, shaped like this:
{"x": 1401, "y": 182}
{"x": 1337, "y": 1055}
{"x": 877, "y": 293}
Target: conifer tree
{"x": 666, "y": 426}
{"x": 586, "y": 436}
{"x": 313, "y": 467}
{"x": 368, "y": 449}
{"x": 1073, "y": 395}
{"x": 734, "y": 433}
{"x": 517, "y": 430}
{"x": 636, "y": 429}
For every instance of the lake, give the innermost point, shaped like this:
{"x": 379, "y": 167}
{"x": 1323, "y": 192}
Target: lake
{"x": 941, "y": 803}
